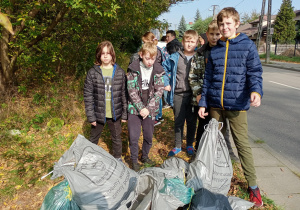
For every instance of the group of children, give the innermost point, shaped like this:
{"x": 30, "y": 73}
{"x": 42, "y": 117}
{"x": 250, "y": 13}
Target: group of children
{"x": 222, "y": 79}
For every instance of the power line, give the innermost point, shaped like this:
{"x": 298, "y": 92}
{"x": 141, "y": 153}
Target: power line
{"x": 239, "y": 3}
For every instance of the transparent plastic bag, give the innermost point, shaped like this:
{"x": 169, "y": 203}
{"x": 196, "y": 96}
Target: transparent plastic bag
{"x": 177, "y": 188}
{"x": 59, "y": 197}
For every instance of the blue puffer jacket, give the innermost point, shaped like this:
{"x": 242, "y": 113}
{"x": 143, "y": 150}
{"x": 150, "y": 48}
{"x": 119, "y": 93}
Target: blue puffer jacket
{"x": 170, "y": 67}
{"x": 232, "y": 73}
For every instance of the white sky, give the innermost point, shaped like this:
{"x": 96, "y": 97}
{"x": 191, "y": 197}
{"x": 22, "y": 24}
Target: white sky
{"x": 188, "y": 9}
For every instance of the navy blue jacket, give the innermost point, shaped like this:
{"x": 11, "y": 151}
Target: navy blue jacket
{"x": 232, "y": 73}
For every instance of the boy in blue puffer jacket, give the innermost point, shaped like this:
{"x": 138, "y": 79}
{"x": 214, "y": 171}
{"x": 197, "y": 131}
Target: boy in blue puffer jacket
{"x": 233, "y": 83}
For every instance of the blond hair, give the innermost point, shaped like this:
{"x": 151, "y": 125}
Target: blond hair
{"x": 150, "y": 48}
{"x": 213, "y": 25}
{"x": 189, "y": 34}
{"x": 228, "y": 12}
{"x": 149, "y": 37}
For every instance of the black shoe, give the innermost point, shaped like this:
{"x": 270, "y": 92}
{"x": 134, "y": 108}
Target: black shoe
{"x": 161, "y": 119}
{"x": 148, "y": 161}
{"x": 135, "y": 167}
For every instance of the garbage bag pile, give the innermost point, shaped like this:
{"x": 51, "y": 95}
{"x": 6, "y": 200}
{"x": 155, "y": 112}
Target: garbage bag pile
{"x": 98, "y": 181}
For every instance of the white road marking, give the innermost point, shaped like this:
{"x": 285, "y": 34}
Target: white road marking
{"x": 285, "y": 85}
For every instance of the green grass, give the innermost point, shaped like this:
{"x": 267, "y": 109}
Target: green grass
{"x": 259, "y": 141}
{"x": 294, "y": 59}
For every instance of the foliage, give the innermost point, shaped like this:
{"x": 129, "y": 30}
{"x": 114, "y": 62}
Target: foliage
{"x": 182, "y": 27}
{"x": 197, "y": 16}
{"x": 297, "y": 27}
{"x": 248, "y": 18}
{"x": 201, "y": 25}
{"x": 56, "y": 37}
{"x": 284, "y": 26}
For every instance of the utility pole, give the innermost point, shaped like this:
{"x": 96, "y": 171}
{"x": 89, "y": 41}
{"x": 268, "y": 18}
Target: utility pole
{"x": 214, "y": 10}
{"x": 261, "y": 17}
{"x": 268, "y": 40}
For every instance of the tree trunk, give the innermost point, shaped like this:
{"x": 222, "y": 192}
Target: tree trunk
{"x": 7, "y": 64}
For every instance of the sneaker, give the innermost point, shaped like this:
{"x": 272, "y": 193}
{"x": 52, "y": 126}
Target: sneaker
{"x": 148, "y": 161}
{"x": 166, "y": 106}
{"x": 156, "y": 122}
{"x": 174, "y": 151}
{"x": 161, "y": 119}
{"x": 255, "y": 197}
{"x": 135, "y": 167}
{"x": 190, "y": 150}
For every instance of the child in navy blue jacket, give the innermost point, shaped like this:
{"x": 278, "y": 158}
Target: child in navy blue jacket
{"x": 233, "y": 82}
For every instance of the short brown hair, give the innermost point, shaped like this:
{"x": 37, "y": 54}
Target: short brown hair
{"x": 190, "y": 34}
{"x": 228, "y": 12}
{"x": 99, "y": 50}
{"x": 149, "y": 37}
{"x": 150, "y": 48}
{"x": 213, "y": 25}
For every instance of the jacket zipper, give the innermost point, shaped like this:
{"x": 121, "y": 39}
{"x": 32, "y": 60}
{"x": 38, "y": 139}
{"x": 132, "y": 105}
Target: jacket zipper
{"x": 224, "y": 74}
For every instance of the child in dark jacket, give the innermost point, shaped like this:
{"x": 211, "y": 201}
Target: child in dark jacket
{"x": 145, "y": 88}
{"x": 177, "y": 69}
{"x": 196, "y": 74}
{"x": 233, "y": 83}
{"x": 105, "y": 97}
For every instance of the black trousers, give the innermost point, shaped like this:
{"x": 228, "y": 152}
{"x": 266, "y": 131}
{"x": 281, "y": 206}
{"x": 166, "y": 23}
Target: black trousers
{"x": 115, "y": 132}
{"x": 135, "y": 123}
{"x": 183, "y": 112}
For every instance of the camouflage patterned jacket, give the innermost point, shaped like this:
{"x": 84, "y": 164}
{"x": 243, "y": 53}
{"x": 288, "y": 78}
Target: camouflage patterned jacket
{"x": 196, "y": 75}
{"x": 134, "y": 85}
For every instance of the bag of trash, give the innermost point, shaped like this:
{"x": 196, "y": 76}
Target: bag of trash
{"x": 153, "y": 192}
{"x": 239, "y": 204}
{"x": 59, "y": 197}
{"x": 177, "y": 188}
{"x": 211, "y": 168}
{"x": 206, "y": 200}
{"x": 176, "y": 165}
{"x": 97, "y": 179}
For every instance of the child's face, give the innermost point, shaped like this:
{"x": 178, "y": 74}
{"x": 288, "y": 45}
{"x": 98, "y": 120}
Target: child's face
{"x": 169, "y": 37}
{"x": 106, "y": 56}
{"x": 213, "y": 35}
{"x": 190, "y": 44}
{"x": 147, "y": 59}
{"x": 228, "y": 27}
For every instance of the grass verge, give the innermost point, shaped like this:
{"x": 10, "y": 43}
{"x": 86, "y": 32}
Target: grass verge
{"x": 294, "y": 59}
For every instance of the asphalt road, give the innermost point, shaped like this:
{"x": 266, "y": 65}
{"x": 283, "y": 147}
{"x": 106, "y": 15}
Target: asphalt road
{"x": 277, "y": 120}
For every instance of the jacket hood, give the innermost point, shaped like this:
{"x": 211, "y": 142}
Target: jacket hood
{"x": 174, "y": 46}
{"x": 135, "y": 66}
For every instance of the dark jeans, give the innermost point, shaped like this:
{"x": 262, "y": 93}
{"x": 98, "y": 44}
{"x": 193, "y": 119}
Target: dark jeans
{"x": 201, "y": 124}
{"x": 115, "y": 132}
{"x": 134, "y": 128}
{"x": 183, "y": 111}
